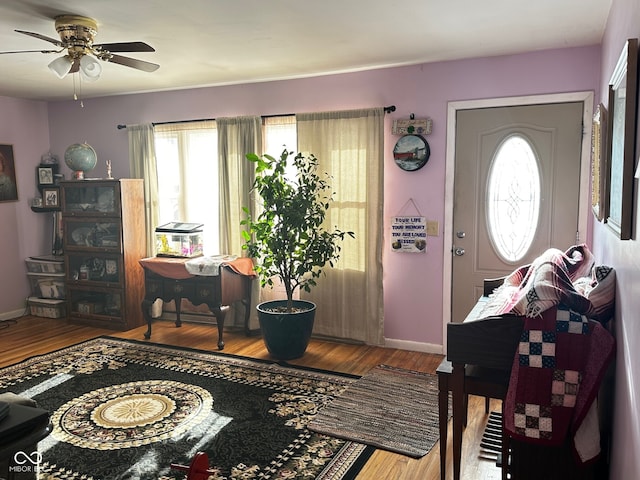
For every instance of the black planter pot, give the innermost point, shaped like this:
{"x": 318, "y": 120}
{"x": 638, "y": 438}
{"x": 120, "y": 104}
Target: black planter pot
{"x": 286, "y": 335}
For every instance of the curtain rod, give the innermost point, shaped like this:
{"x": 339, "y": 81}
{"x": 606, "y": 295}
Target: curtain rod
{"x": 389, "y": 109}
{"x": 121, "y": 126}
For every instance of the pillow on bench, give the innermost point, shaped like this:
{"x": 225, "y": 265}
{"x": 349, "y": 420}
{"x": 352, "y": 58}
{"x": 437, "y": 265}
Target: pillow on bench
{"x": 600, "y": 289}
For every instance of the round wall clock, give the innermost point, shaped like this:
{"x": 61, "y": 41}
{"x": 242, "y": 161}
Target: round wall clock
{"x": 411, "y": 152}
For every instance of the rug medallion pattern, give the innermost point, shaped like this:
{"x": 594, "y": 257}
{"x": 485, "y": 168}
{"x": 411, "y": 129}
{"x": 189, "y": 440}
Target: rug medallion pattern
{"x": 131, "y": 414}
{"x": 124, "y": 409}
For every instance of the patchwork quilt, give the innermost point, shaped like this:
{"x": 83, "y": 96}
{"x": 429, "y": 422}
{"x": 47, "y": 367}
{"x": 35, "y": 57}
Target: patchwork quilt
{"x": 561, "y": 359}
{"x": 563, "y": 352}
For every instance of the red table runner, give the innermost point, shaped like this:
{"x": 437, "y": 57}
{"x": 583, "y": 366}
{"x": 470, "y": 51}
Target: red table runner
{"x": 169, "y": 267}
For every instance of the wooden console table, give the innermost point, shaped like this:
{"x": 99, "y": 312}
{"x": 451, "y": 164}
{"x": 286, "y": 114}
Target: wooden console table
{"x": 168, "y": 279}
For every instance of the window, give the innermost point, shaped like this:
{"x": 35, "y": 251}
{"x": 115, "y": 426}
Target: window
{"x": 349, "y": 145}
{"x": 279, "y": 133}
{"x": 187, "y": 165}
{"x": 513, "y": 198}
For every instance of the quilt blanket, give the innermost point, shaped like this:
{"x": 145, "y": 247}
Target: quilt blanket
{"x": 559, "y": 364}
{"x": 562, "y": 355}
{"x": 545, "y": 283}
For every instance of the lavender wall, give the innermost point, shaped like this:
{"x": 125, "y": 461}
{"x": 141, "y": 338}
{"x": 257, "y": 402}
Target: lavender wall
{"x": 413, "y": 283}
{"x": 623, "y": 23}
{"x": 23, "y": 124}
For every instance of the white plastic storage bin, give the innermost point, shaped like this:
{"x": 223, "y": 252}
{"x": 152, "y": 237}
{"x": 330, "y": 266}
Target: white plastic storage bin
{"x": 47, "y": 307}
{"x": 47, "y": 285}
{"x": 45, "y": 264}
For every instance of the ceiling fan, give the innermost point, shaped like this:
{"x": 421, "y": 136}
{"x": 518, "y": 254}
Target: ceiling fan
{"x": 76, "y": 37}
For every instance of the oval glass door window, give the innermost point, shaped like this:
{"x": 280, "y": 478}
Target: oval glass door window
{"x": 513, "y": 198}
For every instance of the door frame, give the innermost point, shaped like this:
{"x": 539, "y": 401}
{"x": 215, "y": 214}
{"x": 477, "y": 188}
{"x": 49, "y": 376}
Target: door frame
{"x": 584, "y": 206}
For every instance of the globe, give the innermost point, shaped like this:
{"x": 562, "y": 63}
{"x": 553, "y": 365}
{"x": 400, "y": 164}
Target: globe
{"x": 80, "y": 157}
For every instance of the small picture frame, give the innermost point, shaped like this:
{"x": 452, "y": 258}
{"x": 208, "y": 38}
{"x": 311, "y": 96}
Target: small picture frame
{"x": 46, "y": 175}
{"x": 51, "y": 197}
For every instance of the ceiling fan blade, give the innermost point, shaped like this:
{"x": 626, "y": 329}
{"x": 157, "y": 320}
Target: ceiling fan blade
{"x": 42, "y": 37}
{"x": 133, "y": 63}
{"x": 125, "y": 47}
{"x": 32, "y": 51}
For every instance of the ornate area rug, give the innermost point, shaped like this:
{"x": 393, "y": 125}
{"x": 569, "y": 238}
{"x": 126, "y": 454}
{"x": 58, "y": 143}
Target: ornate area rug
{"x": 390, "y": 408}
{"x": 123, "y": 409}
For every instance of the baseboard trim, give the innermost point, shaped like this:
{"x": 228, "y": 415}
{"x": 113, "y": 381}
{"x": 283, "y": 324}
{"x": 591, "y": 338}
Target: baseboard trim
{"x": 11, "y": 315}
{"x": 413, "y": 346}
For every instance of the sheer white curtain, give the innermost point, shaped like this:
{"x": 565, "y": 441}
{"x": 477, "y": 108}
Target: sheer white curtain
{"x": 349, "y": 146}
{"x": 142, "y": 164}
{"x": 237, "y": 137}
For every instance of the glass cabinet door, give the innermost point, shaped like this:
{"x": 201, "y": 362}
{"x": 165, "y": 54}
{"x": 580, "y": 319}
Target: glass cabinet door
{"x": 88, "y": 197}
{"x": 102, "y": 235}
{"x": 90, "y": 302}
{"x": 83, "y": 267}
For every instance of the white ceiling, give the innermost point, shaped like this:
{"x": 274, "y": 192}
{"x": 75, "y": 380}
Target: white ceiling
{"x": 219, "y": 42}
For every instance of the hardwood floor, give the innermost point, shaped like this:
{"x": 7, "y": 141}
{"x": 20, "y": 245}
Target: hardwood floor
{"x": 29, "y": 336}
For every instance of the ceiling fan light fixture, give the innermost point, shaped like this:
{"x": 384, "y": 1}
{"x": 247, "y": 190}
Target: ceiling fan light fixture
{"x": 90, "y": 68}
{"x": 82, "y": 55}
{"x": 61, "y": 66}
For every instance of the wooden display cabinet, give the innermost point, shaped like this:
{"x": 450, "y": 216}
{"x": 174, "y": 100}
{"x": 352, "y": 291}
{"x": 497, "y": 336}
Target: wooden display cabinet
{"x": 104, "y": 238}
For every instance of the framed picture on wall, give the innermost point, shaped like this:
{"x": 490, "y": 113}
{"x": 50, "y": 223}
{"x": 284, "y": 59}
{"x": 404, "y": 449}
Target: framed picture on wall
{"x": 599, "y": 163}
{"x": 51, "y": 197}
{"x": 45, "y": 174}
{"x": 8, "y": 185}
{"x": 411, "y": 152}
{"x": 623, "y": 92}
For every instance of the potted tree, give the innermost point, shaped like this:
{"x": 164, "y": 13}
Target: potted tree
{"x": 289, "y": 242}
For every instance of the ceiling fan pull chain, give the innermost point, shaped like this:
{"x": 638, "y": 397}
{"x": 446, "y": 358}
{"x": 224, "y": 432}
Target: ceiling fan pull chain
{"x": 75, "y": 95}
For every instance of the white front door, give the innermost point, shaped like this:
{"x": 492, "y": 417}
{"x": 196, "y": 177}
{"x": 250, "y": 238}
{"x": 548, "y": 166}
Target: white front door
{"x": 504, "y": 214}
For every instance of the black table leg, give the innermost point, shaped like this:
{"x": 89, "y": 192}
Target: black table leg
{"x": 146, "y": 313}
{"x": 220, "y": 314}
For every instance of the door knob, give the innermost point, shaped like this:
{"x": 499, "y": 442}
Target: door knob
{"x": 461, "y": 234}
{"x": 458, "y": 251}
